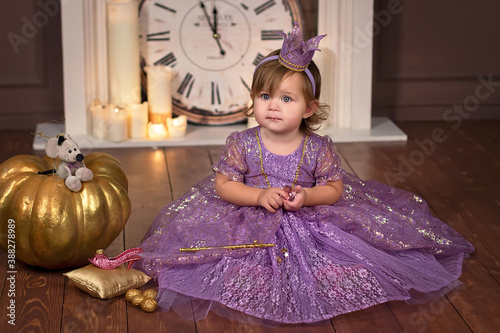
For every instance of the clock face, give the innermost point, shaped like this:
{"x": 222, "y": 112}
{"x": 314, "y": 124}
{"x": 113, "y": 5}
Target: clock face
{"x": 213, "y": 47}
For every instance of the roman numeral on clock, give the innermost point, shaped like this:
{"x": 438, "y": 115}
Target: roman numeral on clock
{"x": 158, "y": 36}
{"x": 187, "y": 83}
{"x": 264, "y": 6}
{"x": 258, "y": 59}
{"x": 167, "y": 60}
{"x": 245, "y": 84}
{"x": 165, "y": 7}
{"x": 270, "y": 35}
{"x": 215, "y": 93}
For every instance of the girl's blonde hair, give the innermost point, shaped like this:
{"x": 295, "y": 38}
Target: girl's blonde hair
{"x": 268, "y": 76}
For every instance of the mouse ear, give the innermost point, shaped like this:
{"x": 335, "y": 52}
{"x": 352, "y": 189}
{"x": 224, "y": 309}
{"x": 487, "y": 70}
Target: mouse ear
{"x": 52, "y": 148}
{"x": 61, "y": 140}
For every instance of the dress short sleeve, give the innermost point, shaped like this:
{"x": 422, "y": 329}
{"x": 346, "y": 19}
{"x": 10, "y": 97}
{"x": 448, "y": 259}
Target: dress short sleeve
{"x": 232, "y": 161}
{"x": 328, "y": 163}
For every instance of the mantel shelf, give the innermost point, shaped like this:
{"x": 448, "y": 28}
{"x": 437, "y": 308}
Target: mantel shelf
{"x": 382, "y": 129}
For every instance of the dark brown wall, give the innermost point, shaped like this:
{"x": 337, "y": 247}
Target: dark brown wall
{"x": 31, "y": 88}
{"x": 430, "y": 57}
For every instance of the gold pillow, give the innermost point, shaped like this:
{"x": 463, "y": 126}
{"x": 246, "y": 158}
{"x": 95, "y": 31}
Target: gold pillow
{"x": 106, "y": 284}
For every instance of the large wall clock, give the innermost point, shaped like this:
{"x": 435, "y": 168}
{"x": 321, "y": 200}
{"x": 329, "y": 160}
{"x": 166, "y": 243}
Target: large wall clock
{"x": 213, "y": 47}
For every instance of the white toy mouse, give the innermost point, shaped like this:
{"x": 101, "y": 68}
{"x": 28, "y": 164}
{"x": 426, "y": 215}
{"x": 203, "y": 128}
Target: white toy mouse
{"x": 71, "y": 167}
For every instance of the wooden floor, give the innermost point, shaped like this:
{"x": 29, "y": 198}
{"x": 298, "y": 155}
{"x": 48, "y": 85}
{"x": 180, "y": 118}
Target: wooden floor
{"x": 457, "y": 170}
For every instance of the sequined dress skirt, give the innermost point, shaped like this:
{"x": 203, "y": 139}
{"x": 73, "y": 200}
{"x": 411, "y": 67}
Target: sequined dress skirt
{"x": 375, "y": 245}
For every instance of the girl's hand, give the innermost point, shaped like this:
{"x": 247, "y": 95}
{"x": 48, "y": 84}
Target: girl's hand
{"x": 272, "y": 198}
{"x": 298, "y": 202}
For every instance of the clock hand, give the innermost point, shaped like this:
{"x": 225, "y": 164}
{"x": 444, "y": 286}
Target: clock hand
{"x": 215, "y": 22}
{"x": 206, "y": 16}
{"x": 222, "y": 51}
{"x": 216, "y": 37}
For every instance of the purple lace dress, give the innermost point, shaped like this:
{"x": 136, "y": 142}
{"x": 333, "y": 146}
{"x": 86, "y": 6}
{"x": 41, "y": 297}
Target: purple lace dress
{"x": 376, "y": 244}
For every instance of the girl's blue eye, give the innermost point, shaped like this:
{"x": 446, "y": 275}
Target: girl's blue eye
{"x": 265, "y": 97}
{"x": 286, "y": 99}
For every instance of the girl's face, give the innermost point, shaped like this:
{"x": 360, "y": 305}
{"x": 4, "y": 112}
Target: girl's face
{"x": 283, "y": 111}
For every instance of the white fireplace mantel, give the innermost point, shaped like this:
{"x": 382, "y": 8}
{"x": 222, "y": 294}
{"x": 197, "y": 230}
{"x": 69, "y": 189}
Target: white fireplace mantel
{"x": 345, "y": 64}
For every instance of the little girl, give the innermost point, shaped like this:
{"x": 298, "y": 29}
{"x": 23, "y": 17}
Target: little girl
{"x": 281, "y": 233}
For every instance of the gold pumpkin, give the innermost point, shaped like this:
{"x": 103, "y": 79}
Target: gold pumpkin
{"x": 55, "y": 227}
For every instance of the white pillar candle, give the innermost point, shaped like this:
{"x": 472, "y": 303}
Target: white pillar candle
{"x": 138, "y": 120}
{"x": 177, "y": 126}
{"x": 159, "y": 94}
{"x": 157, "y": 131}
{"x": 99, "y": 112}
{"x": 117, "y": 129}
{"x": 123, "y": 52}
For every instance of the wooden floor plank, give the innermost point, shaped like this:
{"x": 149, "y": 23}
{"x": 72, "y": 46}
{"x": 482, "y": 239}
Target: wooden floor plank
{"x": 485, "y": 133}
{"x": 157, "y": 322}
{"x": 478, "y": 301}
{"x": 214, "y": 324}
{"x": 462, "y": 156}
{"x": 368, "y": 163}
{"x": 378, "y": 318}
{"x": 84, "y": 313}
{"x": 186, "y": 167}
{"x": 149, "y": 189}
{"x": 438, "y": 315}
{"x": 38, "y": 302}
{"x": 214, "y": 153}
